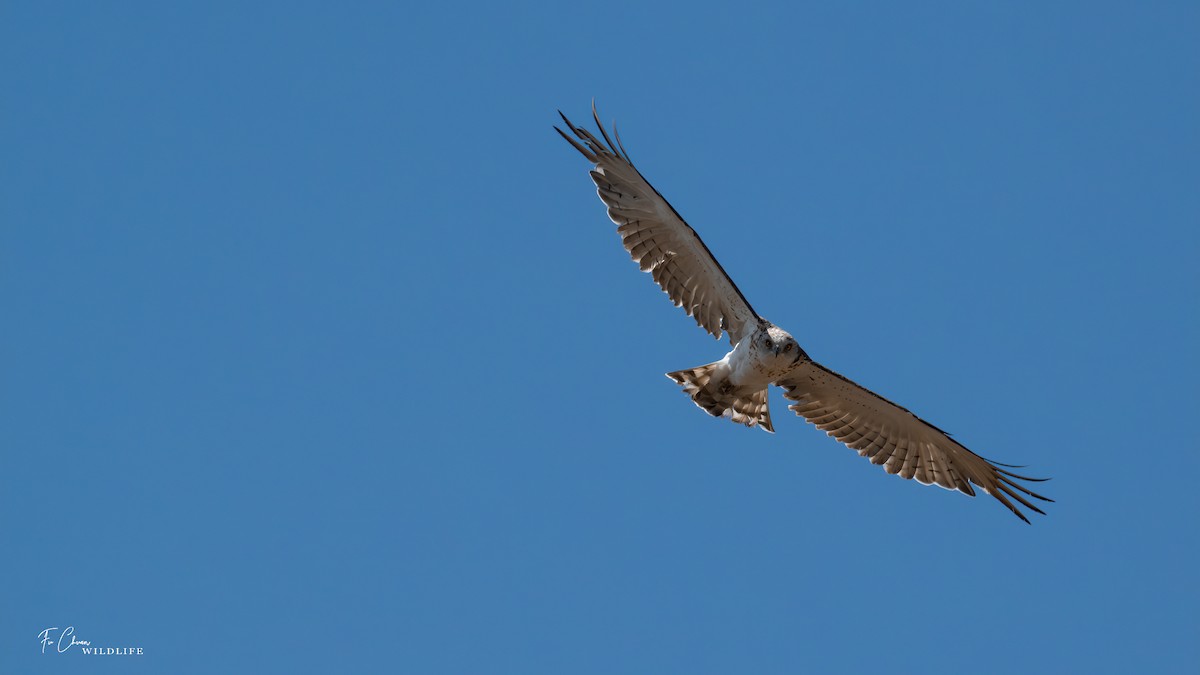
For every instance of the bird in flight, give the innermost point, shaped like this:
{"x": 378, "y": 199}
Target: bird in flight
{"x": 735, "y": 387}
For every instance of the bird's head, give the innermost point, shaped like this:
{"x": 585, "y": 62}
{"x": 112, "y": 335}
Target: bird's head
{"x": 775, "y": 340}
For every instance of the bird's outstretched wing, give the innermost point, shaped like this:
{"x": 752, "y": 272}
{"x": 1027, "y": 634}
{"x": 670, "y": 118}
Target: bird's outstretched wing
{"x": 659, "y": 240}
{"x": 890, "y": 435}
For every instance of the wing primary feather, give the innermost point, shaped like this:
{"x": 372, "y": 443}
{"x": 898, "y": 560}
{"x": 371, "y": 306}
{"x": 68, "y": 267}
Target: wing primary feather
{"x": 1009, "y": 473}
{"x": 1009, "y": 466}
{"x": 584, "y": 151}
{"x": 571, "y": 125}
{"x": 1004, "y": 500}
{"x": 621, "y": 145}
{"x": 1026, "y": 502}
{"x": 1024, "y": 489}
{"x": 596, "y": 116}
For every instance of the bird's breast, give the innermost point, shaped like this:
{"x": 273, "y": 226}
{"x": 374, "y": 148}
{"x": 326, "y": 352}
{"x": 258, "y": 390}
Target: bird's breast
{"x": 753, "y": 366}
{"x": 747, "y": 366}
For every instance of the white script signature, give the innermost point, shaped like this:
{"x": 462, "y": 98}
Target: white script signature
{"x": 67, "y": 633}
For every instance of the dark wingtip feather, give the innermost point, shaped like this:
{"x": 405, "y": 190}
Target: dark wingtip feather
{"x": 1006, "y": 480}
{"x": 570, "y": 125}
{"x": 1007, "y": 466}
{"x": 1009, "y": 473}
{"x": 1028, "y": 504}
{"x": 1004, "y": 501}
{"x": 596, "y": 116}
{"x": 1024, "y": 489}
{"x": 620, "y": 145}
{"x": 584, "y": 151}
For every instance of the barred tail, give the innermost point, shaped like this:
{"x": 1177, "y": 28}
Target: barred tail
{"x": 714, "y": 398}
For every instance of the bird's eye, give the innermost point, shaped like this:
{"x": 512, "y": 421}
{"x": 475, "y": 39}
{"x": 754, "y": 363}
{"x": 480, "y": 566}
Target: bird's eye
{"x": 787, "y": 348}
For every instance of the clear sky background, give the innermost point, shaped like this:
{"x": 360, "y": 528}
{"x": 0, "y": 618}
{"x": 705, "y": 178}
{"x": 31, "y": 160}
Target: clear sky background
{"x": 321, "y": 355}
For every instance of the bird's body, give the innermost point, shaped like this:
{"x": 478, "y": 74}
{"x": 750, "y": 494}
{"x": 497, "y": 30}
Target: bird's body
{"x": 736, "y": 386}
{"x": 762, "y": 354}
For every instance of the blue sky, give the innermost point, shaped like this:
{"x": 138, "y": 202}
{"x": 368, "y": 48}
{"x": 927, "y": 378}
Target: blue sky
{"x": 320, "y": 354}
